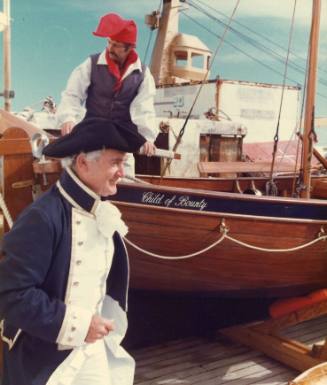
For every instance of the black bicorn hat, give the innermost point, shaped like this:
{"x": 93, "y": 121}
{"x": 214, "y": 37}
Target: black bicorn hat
{"x": 92, "y": 134}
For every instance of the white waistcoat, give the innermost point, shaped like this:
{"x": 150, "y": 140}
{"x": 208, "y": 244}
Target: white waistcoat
{"x": 91, "y": 258}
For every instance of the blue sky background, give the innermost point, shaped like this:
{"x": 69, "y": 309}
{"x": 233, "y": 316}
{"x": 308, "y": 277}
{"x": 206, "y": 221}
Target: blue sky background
{"x": 49, "y": 38}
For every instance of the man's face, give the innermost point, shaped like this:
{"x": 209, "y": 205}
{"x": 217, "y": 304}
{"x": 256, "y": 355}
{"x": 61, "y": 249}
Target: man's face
{"x": 102, "y": 174}
{"x": 118, "y": 52}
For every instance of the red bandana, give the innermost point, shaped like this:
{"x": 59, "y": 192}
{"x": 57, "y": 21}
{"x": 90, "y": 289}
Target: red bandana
{"x": 116, "y": 71}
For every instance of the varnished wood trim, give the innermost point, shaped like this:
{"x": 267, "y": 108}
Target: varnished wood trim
{"x": 15, "y": 146}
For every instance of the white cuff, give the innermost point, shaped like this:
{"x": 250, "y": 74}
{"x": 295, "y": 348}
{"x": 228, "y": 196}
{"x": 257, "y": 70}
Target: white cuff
{"x": 65, "y": 119}
{"x": 74, "y": 328}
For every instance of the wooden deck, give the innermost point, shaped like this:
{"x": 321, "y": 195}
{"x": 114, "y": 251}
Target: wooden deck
{"x": 219, "y": 361}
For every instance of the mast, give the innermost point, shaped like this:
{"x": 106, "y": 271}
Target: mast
{"x": 7, "y": 93}
{"x": 310, "y": 98}
{"x": 168, "y": 29}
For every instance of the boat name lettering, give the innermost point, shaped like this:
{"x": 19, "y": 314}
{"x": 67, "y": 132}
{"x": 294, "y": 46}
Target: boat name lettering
{"x": 152, "y": 198}
{"x": 183, "y": 201}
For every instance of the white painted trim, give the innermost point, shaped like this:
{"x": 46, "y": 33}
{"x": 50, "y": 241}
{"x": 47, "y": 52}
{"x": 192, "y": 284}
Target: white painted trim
{"x": 9, "y": 341}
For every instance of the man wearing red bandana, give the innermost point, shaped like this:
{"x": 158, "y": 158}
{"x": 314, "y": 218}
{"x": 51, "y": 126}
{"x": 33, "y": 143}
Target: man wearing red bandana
{"x": 115, "y": 85}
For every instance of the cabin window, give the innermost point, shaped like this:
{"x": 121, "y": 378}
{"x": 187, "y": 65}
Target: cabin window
{"x": 197, "y": 60}
{"x": 181, "y": 58}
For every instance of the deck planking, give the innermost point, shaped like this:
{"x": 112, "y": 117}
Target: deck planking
{"x": 218, "y": 360}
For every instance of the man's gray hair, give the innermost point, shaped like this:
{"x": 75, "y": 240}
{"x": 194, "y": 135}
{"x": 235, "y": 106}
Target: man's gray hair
{"x": 70, "y": 160}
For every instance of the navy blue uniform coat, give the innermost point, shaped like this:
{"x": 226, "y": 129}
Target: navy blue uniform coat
{"x": 33, "y": 280}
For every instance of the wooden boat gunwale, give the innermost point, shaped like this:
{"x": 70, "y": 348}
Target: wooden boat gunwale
{"x": 225, "y": 215}
{"x": 229, "y": 195}
{"x": 232, "y": 204}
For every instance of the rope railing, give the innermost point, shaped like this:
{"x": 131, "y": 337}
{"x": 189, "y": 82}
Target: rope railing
{"x": 175, "y": 257}
{"x": 5, "y": 211}
{"x": 268, "y": 250}
{"x": 223, "y": 230}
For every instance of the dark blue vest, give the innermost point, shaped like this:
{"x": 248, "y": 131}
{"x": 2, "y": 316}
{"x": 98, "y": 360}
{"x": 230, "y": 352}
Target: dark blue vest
{"x": 103, "y": 101}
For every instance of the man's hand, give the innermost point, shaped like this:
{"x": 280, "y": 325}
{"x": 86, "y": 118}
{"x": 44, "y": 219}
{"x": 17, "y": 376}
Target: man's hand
{"x": 66, "y": 128}
{"x": 148, "y": 149}
{"x": 99, "y": 328}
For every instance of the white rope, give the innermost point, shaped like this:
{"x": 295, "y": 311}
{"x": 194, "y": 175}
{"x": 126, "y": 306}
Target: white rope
{"x": 321, "y": 238}
{"x": 175, "y": 257}
{"x": 5, "y": 211}
{"x": 224, "y": 232}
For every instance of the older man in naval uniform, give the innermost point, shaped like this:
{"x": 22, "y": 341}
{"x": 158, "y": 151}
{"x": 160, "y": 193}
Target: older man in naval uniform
{"x": 64, "y": 275}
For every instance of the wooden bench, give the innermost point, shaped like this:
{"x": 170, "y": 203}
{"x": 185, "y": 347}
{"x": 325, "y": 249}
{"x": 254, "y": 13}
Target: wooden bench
{"x": 265, "y": 336}
{"x": 243, "y": 167}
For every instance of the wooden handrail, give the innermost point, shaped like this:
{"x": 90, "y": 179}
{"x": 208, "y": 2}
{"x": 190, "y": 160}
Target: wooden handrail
{"x": 242, "y": 167}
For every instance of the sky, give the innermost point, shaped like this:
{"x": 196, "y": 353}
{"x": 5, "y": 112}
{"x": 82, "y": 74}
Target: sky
{"x": 49, "y": 38}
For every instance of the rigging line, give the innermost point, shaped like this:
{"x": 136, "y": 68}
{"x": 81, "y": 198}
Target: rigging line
{"x": 258, "y": 45}
{"x": 34, "y": 104}
{"x": 247, "y": 54}
{"x": 249, "y": 40}
{"x": 181, "y": 132}
{"x": 276, "y": 138}
{"x": 240, "y": 50}
{"x": 148, "y": 46}
{"x": 298, "y": 153}
{"x": 256, "y": 33}
{"x": 150, "y": 36}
